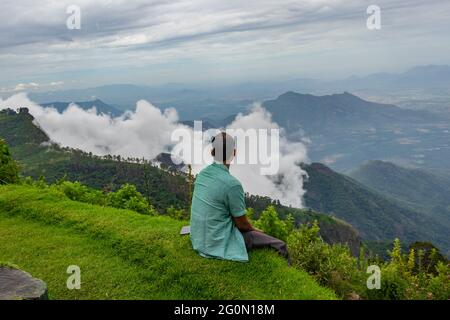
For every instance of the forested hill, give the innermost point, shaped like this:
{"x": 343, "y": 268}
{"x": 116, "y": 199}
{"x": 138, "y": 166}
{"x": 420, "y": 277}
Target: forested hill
{"x": 415, "y": 187}
{"x": 164, "y": 188}
{"x": 374, "y": 215}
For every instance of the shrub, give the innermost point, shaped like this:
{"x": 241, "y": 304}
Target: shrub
{"x": 78, "y": 192}
{"x": 127, "y": 197}
{"x": 429, "y": 256}
{"x": 332, "y": 266}
{"x": 179, "y": 214}
{"x": 9, "y": 169}
{"x": 413, "y": 275}
{"x": 270, "y": 223}
{"x": 439, "y": 285}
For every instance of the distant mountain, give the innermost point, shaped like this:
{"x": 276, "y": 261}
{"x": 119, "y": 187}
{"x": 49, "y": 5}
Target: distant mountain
{"x": 97, "y": 103}
{"x": 191, "y": 104}
{"x": 417, "y": 188}
{"x": 123, "y": 95}
{"x": 346, "y": 130}
{"x": 376, "y": 217}
{"x": 331, "y": 113}
{"x": 206, "y": 124}
{"x": 430, "y": 76}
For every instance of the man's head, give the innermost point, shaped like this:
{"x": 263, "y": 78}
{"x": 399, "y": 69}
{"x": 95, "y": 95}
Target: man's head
{"x": 223, "y": 148}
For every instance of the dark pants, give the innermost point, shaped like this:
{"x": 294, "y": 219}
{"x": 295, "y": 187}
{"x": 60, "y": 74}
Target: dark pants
{"x": 257, "y": 239}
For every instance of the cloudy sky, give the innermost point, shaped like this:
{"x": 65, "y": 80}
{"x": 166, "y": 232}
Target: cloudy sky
{"x": 213, "y": 41}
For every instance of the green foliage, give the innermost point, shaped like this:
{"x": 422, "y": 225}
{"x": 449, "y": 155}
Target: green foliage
{"x": 270, "y": 223}
{"x": 9, "y": 169}
{"x": 333, "y": 265}
{"x": 78, "y": 192}
{"x": 250, "y": 214}
{"x": 19, "y": 129}
{"x": 179, "y": 214}
{"x": 439, "y": 286}
{"x": 406, "y": 277}
{"x": 127, "y": 197}
{"x": 427, "y": 256}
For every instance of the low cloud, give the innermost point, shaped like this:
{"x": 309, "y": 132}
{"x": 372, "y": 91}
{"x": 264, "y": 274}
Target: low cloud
{"x": 32, "y": 86}
{"x": 26, "y": 86}
{"x": 287, "y": 184}
{"x": 328, "y": 160}
{"x": 143, "y": 133}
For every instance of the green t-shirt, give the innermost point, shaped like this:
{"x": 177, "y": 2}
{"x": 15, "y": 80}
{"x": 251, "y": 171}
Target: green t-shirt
{"x": 218, "y": 196}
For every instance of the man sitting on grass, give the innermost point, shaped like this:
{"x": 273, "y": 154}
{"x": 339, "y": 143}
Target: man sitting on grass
{"x": 219, "y": 227}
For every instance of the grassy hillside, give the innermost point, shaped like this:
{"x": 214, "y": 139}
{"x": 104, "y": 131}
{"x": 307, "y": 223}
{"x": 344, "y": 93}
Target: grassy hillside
{"x": 374, "y": 215}
{"x": 124, "y": 255}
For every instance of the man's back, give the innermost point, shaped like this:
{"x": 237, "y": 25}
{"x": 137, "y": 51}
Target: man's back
{"x": 217, "y": 198}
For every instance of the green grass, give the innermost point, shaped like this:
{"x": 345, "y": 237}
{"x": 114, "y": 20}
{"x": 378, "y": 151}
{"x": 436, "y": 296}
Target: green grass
{"x": 124, "y": 255}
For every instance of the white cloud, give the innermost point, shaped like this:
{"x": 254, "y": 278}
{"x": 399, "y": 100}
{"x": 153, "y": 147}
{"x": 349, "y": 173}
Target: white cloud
{"x": 143, "y": 133}
{"x": 32, "y": 86}
{"x": 287, "y": 184}
{"x": 288, "y": 36}
{"x": 26, "y": 86}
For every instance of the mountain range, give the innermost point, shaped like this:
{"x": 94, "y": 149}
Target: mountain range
{"x": 425, "y": 77}
{"x": 429, "y": 76}
{"x": 99, "y": 105}
{"x": 331, "y": 114}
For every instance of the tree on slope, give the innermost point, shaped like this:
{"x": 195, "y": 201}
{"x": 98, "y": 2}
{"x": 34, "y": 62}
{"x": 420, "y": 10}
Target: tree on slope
{"x": 9, "y": 170}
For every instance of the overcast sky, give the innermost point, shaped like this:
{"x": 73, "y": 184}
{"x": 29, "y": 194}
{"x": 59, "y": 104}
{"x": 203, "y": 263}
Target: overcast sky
{"x": 212, "y": 41}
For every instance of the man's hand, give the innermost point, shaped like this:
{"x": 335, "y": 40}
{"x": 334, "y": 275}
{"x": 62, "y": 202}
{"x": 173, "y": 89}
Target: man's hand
{"x": 243, "y": 224}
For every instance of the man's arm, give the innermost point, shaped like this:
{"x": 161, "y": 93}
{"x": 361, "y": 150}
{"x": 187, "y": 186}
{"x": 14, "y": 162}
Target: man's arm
{"x": 243, "y": 224}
